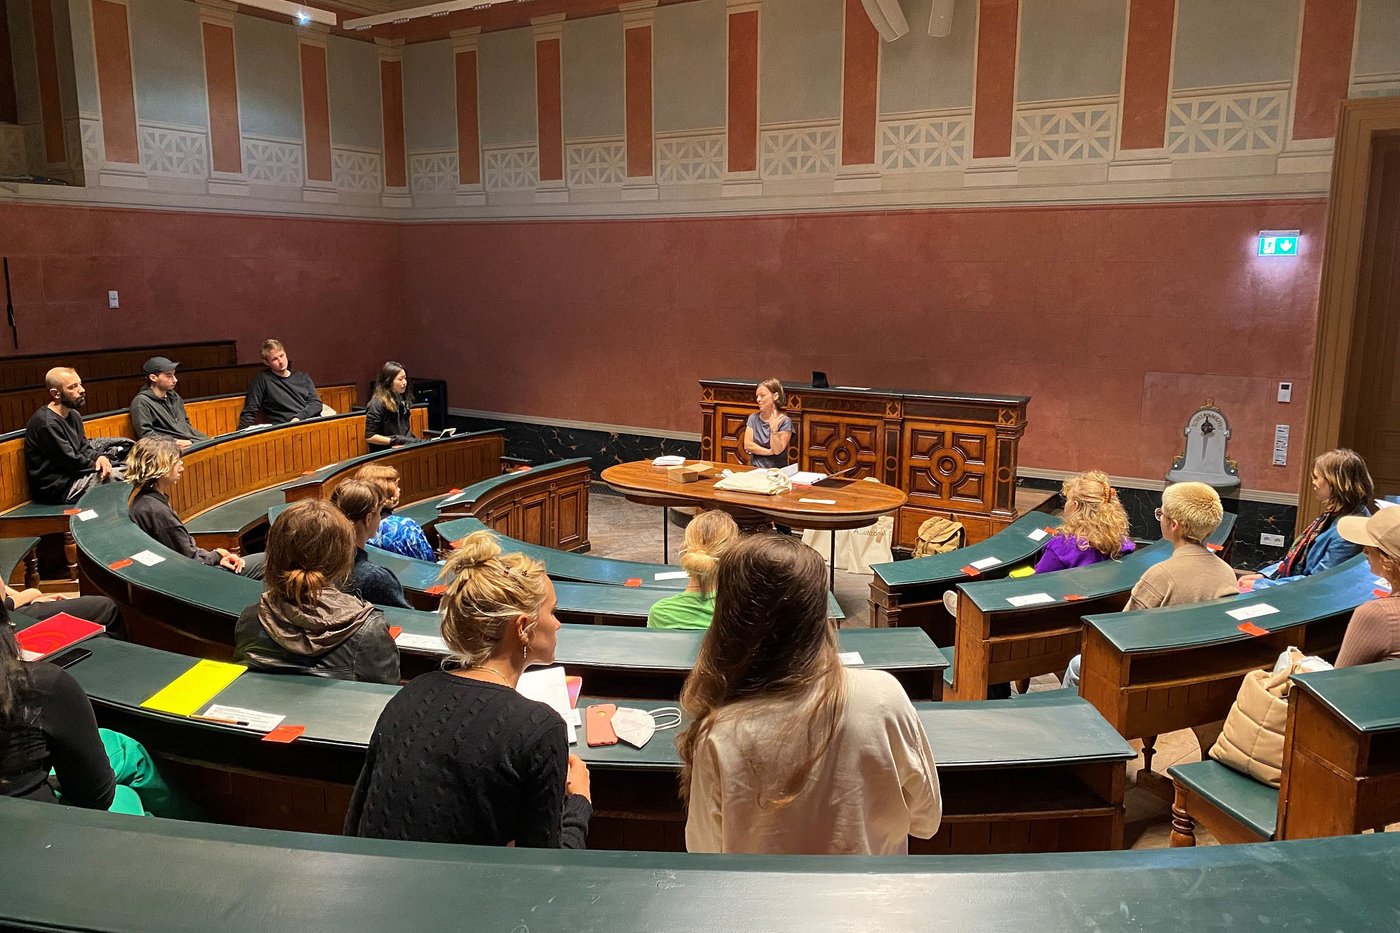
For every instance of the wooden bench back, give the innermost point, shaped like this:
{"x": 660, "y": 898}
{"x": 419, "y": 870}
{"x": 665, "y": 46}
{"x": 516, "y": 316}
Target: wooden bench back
{"x": 29, "y": 369}
{"x": 18, "y": 405}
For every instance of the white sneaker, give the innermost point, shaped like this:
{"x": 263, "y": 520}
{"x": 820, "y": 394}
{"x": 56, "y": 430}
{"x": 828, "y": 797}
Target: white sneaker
{"x": 950, "y": 602}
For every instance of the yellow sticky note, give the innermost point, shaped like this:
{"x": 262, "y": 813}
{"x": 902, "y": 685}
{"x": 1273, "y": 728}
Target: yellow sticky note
{"x": 1022, "y": 572}
{"x": 195, "y": 687}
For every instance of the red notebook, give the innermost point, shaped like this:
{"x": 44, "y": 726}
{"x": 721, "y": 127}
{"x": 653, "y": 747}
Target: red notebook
{"x": 54, "y": 634}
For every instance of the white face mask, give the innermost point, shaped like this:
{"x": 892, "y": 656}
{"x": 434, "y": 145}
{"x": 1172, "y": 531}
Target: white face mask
{"x": 636, "y": 727}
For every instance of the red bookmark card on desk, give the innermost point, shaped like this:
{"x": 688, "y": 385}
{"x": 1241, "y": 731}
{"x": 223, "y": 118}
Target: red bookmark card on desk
{"x": 436, "y": 590}
{"x": 395, "y": 631}
{"x": 1249, "y": 628}
{"x": 1215, "y": 547}
{"x": 633, "y": 581}
{"x": 284, "y": 734}
{"x": 971, "y": 571}
{"x": 119, "y": 564}
{"x": 71, "y": 511}
{"x": 1072, "y": 597}
{"x": 1380, "y": 593}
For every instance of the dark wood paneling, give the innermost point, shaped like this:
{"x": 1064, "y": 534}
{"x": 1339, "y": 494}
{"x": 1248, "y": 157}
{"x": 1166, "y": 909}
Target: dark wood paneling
{"x": 29, "y": 369}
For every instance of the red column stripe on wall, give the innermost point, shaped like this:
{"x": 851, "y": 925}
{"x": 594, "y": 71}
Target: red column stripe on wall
{"x": 115, "y": 90}
{"x": 860, "y": 72}
{"x": 316, "y": 112}
{"x": 468, "y": 121}
{"x": 995, "y": 96}
{"x": 742, "y": 143}
{"x": 221, "y": 79}
{"x": 549, "y": 111}
{"x": 49, "y": 101}
{"x": 391, "y": 95}
{"x": 640, "y": 161}
{"x": 1147, "y": 73}
{"x": 1324, "y": 66}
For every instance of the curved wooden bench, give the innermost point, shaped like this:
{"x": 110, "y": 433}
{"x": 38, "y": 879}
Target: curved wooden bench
{"x": 1158, "y": 670}
{"x": 1033, "y": 775}
{"x": 910, "y": 592}
{"x": 110, "y": 394}
{"x": 545, "y": 504}
{"x": 1349, "y": 882}
{"x": 16, "y": 551}
{"x": 1341, "y": 746}
{"x": 28, "y": 369}
{"x": 182, "y": 606}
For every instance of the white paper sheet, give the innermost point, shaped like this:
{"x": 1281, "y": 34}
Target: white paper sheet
{"x": 851, "y": 658}
{"x": 246, "y": 718}
{"x": 668, "y": 460}
{"x": 984, "y": 563}
{"x": 147, "y": 558}
{"x": 432, "y": 643}
{"x": 807, "y": 478}
{"x": 547, "y": 686}
{"x": 1252, "y": 612}
{"x": 818, "y": 501}
{"x": 1039, "y": 534}
{"x": 86, "y": 515}
{"x": 1030, "y": 599}
{"x": 671, "y": 575}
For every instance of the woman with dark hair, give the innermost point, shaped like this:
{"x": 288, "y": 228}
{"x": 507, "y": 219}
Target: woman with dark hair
{"x": 1344, "y": 487}
{"x": 364, "y": 506}
{"x": 768, "y": 431}
{"x": 461, "y": 756}
{"x": 787, "y": 750}
{"x": 47, "y": 725}
{"x": 304, "y": 624}
{"x": 387, "y": 414}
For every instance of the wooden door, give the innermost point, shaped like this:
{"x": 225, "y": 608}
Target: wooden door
{"x": 1371, "y": 419}
{"x": 533, "y": 519}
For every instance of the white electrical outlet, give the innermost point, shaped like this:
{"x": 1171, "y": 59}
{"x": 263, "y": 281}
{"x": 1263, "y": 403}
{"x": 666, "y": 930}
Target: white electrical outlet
{"x": 112, "y": 300}
{"x": 1271, "y": 540}
{"x": 1285, "y": 391}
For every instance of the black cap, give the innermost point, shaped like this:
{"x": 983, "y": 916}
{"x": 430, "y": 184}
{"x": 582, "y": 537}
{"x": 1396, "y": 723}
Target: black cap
{"x": 159, "y": 364}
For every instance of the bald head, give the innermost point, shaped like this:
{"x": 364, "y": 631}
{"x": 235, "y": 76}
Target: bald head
{"x": 65, "y": 388}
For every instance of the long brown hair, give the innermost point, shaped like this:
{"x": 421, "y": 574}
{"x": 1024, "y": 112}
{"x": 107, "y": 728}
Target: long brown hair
{"x": 488, "y": 590}
{"x": 384, "y": 385}
{"x": 16, "y": 685}
{"x": 357, "y": 499}
{"x": 310, "y": 547}
{"x": 770, "y": 638}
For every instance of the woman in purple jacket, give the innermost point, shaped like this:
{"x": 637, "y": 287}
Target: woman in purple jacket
{"x": 1094, "y": 525}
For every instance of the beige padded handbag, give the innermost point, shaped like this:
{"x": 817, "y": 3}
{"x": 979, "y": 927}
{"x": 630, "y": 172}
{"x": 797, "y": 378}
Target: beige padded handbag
{"x": 1252, "y": 740}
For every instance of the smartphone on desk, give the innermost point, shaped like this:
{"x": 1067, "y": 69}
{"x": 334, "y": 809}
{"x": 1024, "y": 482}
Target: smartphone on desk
{"x": 70, "y": 657}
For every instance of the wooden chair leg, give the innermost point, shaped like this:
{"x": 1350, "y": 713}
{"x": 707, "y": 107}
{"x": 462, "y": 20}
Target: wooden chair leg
{"x": 31, "y": 568}
{"x": 70, "y": 554}
{"x": 1183, "y": 827}
{"x": 1149, "y": 748}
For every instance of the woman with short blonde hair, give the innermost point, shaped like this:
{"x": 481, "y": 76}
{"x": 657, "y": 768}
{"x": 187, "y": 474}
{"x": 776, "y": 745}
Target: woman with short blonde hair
{"x": 304, "y": 624}
{"x": 706, "y": 538}
{"x": 461, "y": 756}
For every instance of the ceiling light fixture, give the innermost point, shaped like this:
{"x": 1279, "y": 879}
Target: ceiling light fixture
{"x": 436, "y": 9}
{"x": 300, "y": 13}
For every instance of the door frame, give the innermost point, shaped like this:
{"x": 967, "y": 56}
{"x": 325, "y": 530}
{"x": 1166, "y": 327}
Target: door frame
{"x": 1361, "y": 121}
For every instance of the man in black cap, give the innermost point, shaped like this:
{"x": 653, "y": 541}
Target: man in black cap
{"x": 158, "y": 409}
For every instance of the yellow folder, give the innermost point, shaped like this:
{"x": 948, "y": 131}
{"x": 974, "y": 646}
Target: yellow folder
{"x": 195, "y": 687}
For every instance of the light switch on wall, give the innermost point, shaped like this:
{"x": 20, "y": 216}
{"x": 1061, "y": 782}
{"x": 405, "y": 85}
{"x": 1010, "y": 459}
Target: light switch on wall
{"x": 112, "y": 301}
{"x": 1285, "y": 391}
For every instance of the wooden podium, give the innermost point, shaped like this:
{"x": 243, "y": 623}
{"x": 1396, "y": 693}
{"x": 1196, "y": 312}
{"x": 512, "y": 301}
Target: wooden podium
{"x": 955, "y": 455}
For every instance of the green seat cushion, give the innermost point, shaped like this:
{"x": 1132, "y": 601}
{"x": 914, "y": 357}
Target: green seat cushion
{"x": 1243, "y": 799}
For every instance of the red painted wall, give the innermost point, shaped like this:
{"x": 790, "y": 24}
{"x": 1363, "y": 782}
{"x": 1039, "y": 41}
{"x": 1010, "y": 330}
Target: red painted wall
{"x": 1117, "y": 321}
{"x": 329, "y": 290}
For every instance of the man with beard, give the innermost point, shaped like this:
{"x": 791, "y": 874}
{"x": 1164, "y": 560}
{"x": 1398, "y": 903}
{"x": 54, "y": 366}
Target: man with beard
{"x": 61, "y": 461}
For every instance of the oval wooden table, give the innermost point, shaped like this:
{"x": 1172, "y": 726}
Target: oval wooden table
{"x": 831, "y": 505}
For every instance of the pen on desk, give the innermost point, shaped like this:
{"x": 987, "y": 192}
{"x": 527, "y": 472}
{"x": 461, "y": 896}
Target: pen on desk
{"x": 220, "y": 719}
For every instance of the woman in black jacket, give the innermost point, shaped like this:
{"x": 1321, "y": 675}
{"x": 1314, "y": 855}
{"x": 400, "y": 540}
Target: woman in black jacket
{"x": 387, "y": 414}
{"x": 304, "y": 624}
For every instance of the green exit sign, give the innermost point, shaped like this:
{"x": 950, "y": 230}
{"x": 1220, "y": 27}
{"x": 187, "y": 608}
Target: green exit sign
{"x": 1278, "y": 242}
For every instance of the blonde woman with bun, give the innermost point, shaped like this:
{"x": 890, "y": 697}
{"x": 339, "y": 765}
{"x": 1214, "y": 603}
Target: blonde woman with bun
{"x": 706, "y": 538}
{"x": 460, "y": 756}
{"x": 304, "y": 624}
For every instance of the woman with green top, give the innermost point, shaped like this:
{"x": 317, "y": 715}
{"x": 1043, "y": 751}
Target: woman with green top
{"x": 706, "y": 537}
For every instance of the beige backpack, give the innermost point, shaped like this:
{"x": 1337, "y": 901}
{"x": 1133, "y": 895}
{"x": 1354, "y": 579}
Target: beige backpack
{"x": 938, "y": 536}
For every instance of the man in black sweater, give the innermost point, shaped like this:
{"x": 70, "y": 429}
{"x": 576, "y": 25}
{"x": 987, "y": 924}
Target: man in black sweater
{"x": 62, "y": 463}
{"x": 279, "y": 394}
{"x": 158, "y": 409}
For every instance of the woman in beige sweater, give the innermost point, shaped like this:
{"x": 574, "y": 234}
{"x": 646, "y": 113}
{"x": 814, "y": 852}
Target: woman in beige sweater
{"x": 787, "y": 750}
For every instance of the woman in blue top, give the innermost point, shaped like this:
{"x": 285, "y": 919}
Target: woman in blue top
{"x": 1343, "y": 486}
{"x": 769, "y": 431}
